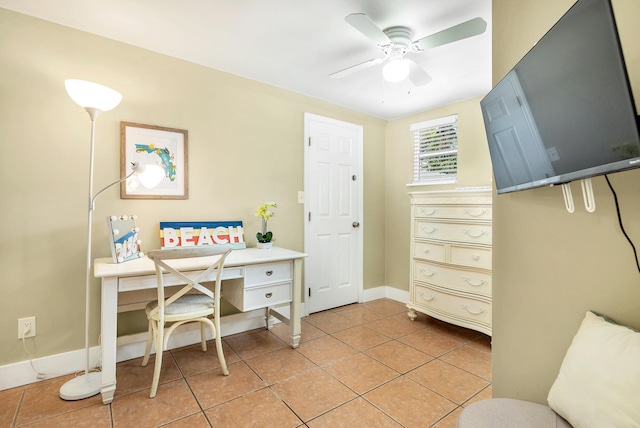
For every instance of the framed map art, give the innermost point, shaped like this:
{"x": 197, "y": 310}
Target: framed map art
{"x": 149, "y": 144}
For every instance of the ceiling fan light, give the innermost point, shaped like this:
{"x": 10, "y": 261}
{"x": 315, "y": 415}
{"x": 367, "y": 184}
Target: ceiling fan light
{"x": 395, "y": 70}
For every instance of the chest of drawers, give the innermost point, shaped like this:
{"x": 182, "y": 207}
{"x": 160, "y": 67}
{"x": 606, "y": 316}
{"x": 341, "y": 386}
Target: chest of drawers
{"x": 451, "y": 257}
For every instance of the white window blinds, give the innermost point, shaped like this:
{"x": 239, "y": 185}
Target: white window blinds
{"x": 435, "y": 159}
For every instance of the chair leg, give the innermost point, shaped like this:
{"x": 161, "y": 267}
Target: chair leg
{"x": 147, "y": 351}
{"x": 218, "y": 336}
{"x": 203, "y": 336}
{"x": 158, "y": 364}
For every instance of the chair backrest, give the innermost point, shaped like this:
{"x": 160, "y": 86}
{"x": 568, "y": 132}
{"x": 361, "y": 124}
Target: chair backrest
{"x": 161, "y": 259}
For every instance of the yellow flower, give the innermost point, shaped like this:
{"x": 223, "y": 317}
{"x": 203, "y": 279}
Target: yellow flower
{"x": 263, "y": 210}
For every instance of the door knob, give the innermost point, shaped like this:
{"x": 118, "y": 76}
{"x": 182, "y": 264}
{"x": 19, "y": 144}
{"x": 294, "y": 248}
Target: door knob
{"x": 355, "y": 224}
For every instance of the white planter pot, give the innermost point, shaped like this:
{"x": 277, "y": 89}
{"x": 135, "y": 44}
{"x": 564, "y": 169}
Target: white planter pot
{"x": 264, "y": 245}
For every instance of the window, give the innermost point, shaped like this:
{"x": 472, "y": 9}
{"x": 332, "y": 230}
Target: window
{"x": 435, "y": 158}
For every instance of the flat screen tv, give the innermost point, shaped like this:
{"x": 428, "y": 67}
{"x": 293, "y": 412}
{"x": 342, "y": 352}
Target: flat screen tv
{"x": 566, "y": 111}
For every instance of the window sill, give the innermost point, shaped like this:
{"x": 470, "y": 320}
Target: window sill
{"x": 452, "y": 180}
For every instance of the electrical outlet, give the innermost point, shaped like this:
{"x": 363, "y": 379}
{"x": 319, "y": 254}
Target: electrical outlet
{"x": 26, "y": 327}
{"x": 300, "y": 197}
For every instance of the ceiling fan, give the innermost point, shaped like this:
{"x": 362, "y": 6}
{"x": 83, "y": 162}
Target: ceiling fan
{"x": 396, "y": 42}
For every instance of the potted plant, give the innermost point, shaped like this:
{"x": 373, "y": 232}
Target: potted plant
{"x": 264, "y": 238}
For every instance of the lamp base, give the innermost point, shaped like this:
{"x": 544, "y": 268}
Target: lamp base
{"x": 81, "y": 387}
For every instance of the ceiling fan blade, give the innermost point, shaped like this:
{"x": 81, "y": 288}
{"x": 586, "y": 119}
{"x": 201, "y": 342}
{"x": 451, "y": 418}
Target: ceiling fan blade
{"x": 355, "y": 68}
{"x": 417, "y": 75}
{"x": 466, "y": 29}
{"x": 362, "y": 23}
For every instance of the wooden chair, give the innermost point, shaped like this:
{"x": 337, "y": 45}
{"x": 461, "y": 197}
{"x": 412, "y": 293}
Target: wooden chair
{"x": 192, "y": 303}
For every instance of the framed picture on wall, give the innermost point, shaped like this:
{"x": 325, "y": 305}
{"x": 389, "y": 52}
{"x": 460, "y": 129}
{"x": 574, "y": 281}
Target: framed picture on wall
{"x": 164, "y": 147}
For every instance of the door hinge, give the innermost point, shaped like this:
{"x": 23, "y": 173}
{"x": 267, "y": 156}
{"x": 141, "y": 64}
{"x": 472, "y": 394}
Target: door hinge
{"x": 309, "y": 292}
{"x": 309, "y": 141}
{"x": 309, "y": 215}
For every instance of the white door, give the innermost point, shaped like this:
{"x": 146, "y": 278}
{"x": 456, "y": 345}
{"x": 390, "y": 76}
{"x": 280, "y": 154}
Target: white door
{"x": 518, "y": 154}
{"x": 333, "y": 213}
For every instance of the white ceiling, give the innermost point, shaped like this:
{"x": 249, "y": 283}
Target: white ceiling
{"x": 296, "y": 44}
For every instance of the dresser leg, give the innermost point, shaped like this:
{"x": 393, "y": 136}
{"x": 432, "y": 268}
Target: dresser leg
{"x": 412, "y": 314}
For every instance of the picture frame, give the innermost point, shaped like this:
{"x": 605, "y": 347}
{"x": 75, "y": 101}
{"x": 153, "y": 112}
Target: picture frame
{"x": 157, "y": 145}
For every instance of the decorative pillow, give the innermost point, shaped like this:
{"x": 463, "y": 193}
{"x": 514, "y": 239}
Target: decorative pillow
{"x": 599, "y": 380}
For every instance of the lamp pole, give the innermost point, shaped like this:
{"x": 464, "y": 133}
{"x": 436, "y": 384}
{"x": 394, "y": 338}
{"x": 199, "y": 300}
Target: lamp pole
{"x": 88, "y": 384}
{"x": 89, "y": 95}
{"x": 94, "y": 98}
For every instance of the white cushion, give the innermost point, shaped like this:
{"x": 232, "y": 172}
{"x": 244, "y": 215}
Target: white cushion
{"x": 599, "y": 380}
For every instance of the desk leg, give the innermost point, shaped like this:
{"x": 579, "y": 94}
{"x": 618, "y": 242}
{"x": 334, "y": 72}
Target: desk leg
{"x": 268, "y": 318}
{"x": 295, "y": 303}
{"x": 109, "y": 325}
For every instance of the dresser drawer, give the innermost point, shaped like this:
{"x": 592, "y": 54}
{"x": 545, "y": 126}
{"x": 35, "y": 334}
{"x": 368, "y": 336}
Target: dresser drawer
{"x": 479, "y": 212}
{"x": 458, "y": 306}
{"x": 247, "y": 299}
{"x": 459, "y": 232}
{"x": 455, "y": 279}
{"x": 267, "y": 274}
{"x": 478, "y": 257}
{"x": 429, "y": 251}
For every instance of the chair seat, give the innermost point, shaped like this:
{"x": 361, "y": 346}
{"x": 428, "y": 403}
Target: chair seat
{"x": 193, "y": 305}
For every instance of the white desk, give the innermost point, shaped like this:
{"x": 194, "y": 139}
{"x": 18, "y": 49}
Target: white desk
{"x": 255, "y": 277}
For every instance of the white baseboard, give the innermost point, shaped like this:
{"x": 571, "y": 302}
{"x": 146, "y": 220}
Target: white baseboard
{"x": 133, "y": 346}
{"x": 385, "y": 291}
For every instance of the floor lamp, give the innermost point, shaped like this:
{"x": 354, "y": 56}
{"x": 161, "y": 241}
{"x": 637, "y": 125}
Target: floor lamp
{"x": 95, "y": 99}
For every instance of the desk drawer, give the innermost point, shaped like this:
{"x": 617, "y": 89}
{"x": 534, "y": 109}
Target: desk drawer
{"x": 247, "y": 299}
{"x": 269, "y": 273}
{"x": 150, "y": 281}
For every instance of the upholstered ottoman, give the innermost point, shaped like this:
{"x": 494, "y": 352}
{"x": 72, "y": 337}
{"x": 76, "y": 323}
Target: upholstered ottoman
{"x": 509, "y": 413}
{"x": 598, "y": 385}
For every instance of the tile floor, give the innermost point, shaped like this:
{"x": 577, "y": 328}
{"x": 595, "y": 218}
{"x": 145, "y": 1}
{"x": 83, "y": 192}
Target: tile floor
{"x": 362, "y": 365}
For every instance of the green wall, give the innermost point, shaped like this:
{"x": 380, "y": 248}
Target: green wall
{"x": 474, "y": 169}
{"x": 549, "y": 266}
{"x": 235, "y": 127}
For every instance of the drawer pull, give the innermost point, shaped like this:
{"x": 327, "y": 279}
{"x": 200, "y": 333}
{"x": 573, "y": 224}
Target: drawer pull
{"x": 475, "y": 257}
{"x": 468, "y": 309}
{"x": 482, "y": 212}
{"x": 423, "y": 211}
{"x": 428, "y": 299}
{"x": 429, "y": 231}
{"x": 468, "y": 281}
{"x": 268, "y": 295}
{"x": 269, "y": 272}
{"x": 472, "y": 235}
{"x": 424, "y": 272}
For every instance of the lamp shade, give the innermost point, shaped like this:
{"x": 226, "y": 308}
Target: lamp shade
{"x": 92, "y": 95}
{"x": 396, "y": 70}
{"x": 150, "y": 175}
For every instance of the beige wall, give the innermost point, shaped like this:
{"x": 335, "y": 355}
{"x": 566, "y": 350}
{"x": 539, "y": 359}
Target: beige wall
{"x": 474, "y": 169}
{"x": 549, "y": 266}
{"x": 236, "y": 128}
